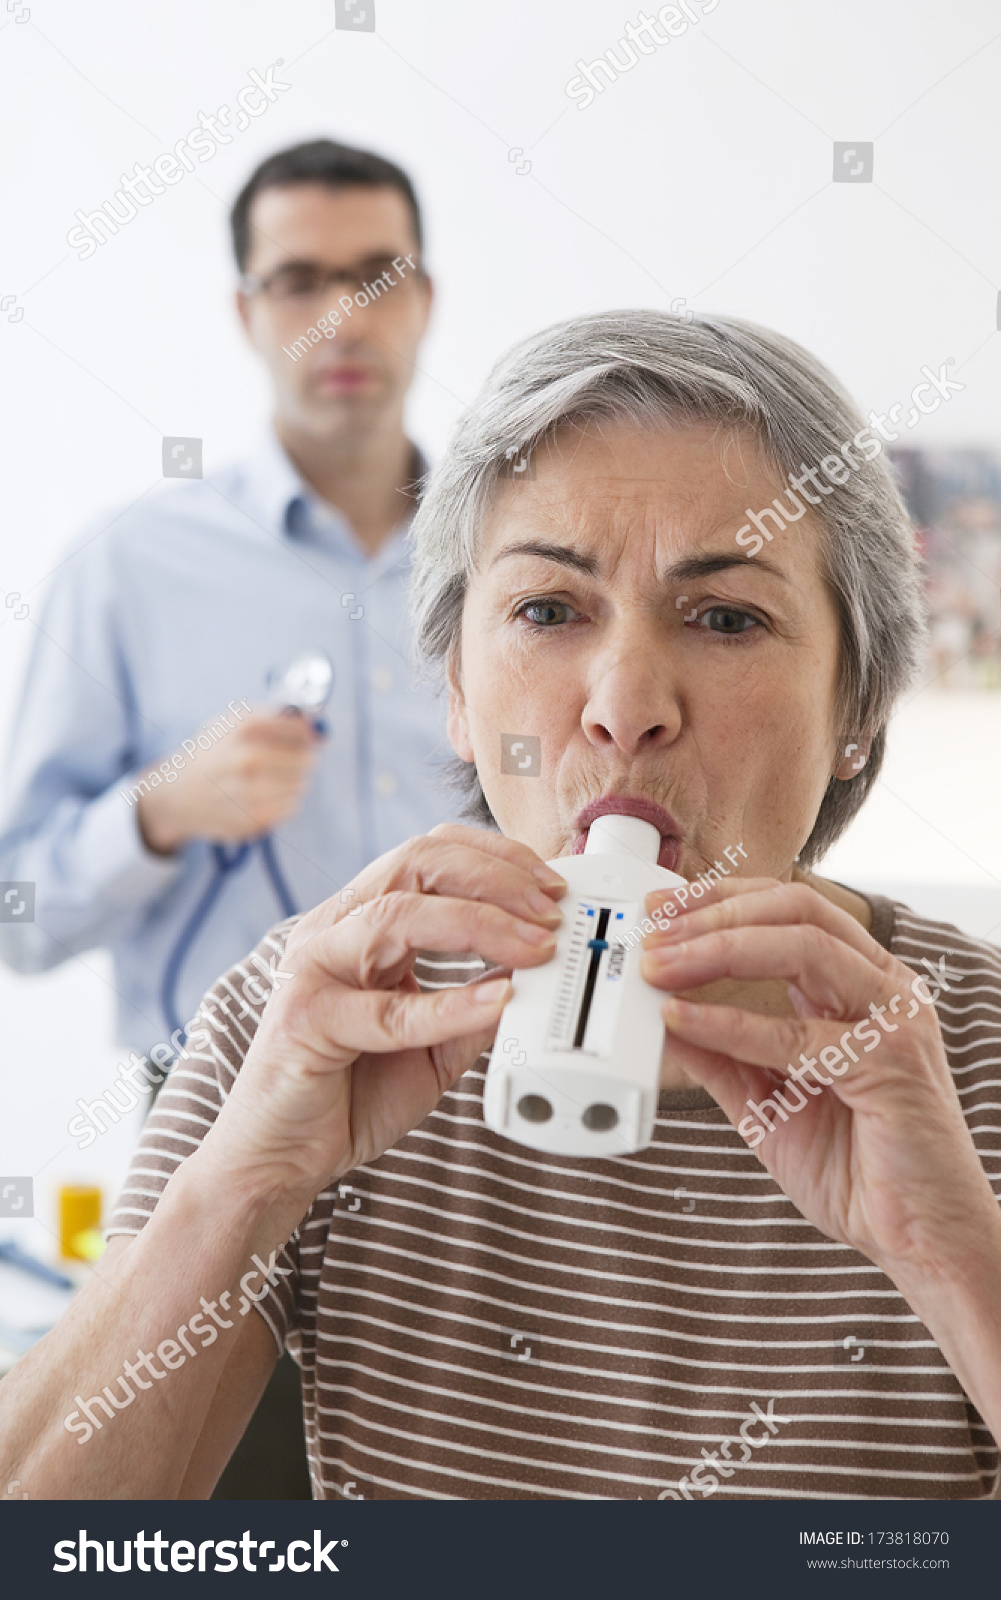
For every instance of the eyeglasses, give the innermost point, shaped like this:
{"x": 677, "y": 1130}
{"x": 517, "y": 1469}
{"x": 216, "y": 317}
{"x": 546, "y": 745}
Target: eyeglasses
{"x": 306, "y": 280}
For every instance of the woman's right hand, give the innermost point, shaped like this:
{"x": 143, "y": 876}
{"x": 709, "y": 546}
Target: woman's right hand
{"x": 349, "y": 1054}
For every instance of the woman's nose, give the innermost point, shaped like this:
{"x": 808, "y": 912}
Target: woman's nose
{"x": 633, "y": 703}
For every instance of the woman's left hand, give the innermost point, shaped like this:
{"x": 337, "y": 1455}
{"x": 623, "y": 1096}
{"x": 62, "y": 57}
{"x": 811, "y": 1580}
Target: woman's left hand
{"x": 875, "y": 1150}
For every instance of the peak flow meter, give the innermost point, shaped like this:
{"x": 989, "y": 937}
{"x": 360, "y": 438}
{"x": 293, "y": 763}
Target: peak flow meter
{"x": 575, "y": 1068}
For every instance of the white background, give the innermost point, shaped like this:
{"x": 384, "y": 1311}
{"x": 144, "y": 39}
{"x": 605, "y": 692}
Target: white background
{"x": 704, "y": 174}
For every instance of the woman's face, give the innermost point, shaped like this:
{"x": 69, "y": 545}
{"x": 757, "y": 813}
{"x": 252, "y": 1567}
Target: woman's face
{"x": 614, "y": 618}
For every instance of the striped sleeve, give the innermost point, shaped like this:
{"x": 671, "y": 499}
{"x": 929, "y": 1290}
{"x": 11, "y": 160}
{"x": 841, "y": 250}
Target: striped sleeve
{"x": 191, "y": 1099}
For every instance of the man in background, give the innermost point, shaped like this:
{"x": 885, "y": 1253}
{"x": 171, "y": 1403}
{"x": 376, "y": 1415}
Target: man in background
{"x": 135, "y": 753}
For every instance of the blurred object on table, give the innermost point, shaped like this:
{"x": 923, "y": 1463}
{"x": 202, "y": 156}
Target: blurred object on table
{"x": 80, "y": 1222}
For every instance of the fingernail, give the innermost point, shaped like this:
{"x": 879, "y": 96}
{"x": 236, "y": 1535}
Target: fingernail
{"x": 658, "y": 953}
{"x": 676, "y": 1012}
{"x": 492, "y": 993}
{"x": 531, "y": 932}
{"x": 543, "y": 905}
{"x": 548, "y": 877}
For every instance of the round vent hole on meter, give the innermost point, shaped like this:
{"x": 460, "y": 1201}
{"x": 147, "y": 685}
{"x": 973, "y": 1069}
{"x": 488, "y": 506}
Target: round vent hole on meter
{"x": 535, "y": 1108}
{"x": 599, "y": 1118}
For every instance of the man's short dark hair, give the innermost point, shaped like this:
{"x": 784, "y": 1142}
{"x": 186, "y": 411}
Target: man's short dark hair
{"x": 337, "y": 166}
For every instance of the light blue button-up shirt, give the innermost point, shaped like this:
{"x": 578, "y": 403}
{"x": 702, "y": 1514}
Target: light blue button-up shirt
{"x": 156, "y": 620}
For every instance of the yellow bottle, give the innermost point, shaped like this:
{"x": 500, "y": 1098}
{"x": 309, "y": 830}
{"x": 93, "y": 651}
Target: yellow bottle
{"x": 80, "y": 1222}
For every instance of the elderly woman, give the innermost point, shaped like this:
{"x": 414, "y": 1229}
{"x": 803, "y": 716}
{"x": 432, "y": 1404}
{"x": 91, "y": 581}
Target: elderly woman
{"x": 670, "y": 553}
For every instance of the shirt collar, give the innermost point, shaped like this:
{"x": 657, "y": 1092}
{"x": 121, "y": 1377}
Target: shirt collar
{"x": 285, "y": 506}
{"x": 270, "y": 484}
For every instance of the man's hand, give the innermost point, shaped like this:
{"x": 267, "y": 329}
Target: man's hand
{"x": 349, "y": 1055}
{"x": 249, "y": 782}
{"x": 873, "y": 1150}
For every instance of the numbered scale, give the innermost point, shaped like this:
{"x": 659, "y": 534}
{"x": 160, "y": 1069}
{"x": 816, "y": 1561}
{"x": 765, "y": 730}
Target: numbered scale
{"x": 590, "y": 986}
{"x": 575, "y": 1068}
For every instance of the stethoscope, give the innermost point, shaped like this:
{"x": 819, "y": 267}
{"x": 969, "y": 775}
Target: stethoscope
{"x": 303, "y": 689}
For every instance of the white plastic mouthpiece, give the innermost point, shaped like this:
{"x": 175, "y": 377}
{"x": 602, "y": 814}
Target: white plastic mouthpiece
{"x": 614, "y": 835}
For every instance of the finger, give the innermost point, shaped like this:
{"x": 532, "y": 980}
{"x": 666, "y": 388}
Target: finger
{"x": 262, "y": 787}
{"x": 496, "y": 844}
{"x": 387, "y": 1020}
{"x": 265, "y": 780}
{"x": 781, "y": 1044}
{"x": 288, "y": 732}
{"x": 259, "y": 761}
{"x": 246, "y": 793}
{"x": 836, "y": 979}
{"x": 763, "y": 902}
{"x": 374, "y": 948}
{"x": 433, "y": 866}
{"x": 732, "y": 1084}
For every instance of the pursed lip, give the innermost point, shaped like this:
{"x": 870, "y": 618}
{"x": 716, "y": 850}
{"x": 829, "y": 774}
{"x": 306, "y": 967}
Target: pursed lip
{"x": 344, "y": 377}
{"x": 627, "y": 805}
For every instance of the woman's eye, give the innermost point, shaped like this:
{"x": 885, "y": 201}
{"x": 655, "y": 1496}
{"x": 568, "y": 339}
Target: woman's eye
{"x": 727, "y": 620}
{"x": 547, "y": 613}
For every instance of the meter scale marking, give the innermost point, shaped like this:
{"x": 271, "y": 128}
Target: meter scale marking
{"x": 597, "y": 947}
{"x": 562, "y": 1024}
{"x": 591, "y": 928}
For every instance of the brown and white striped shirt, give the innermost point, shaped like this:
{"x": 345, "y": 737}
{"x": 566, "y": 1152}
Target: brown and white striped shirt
{"x": 475, "y": 1320}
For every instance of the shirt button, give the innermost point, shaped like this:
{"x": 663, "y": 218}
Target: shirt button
{"x": 387, "y": 783}
{"x": 382, "y": 678}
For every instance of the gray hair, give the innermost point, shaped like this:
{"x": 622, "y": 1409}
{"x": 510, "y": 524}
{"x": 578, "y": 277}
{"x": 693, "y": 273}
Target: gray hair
{"x": 652, "y": 368}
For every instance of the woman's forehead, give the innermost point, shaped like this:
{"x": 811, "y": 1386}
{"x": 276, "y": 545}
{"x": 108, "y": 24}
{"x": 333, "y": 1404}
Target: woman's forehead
{"x": 645, "y": 494}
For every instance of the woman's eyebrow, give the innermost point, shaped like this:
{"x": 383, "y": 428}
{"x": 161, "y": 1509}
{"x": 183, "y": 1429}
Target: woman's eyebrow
{"x": 564, "y": 555}
{"x": 681, "y": 572}
{"x": 705, "y": 566}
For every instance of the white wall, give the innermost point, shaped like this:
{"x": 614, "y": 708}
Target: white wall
{"x": 703, "y": 174}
